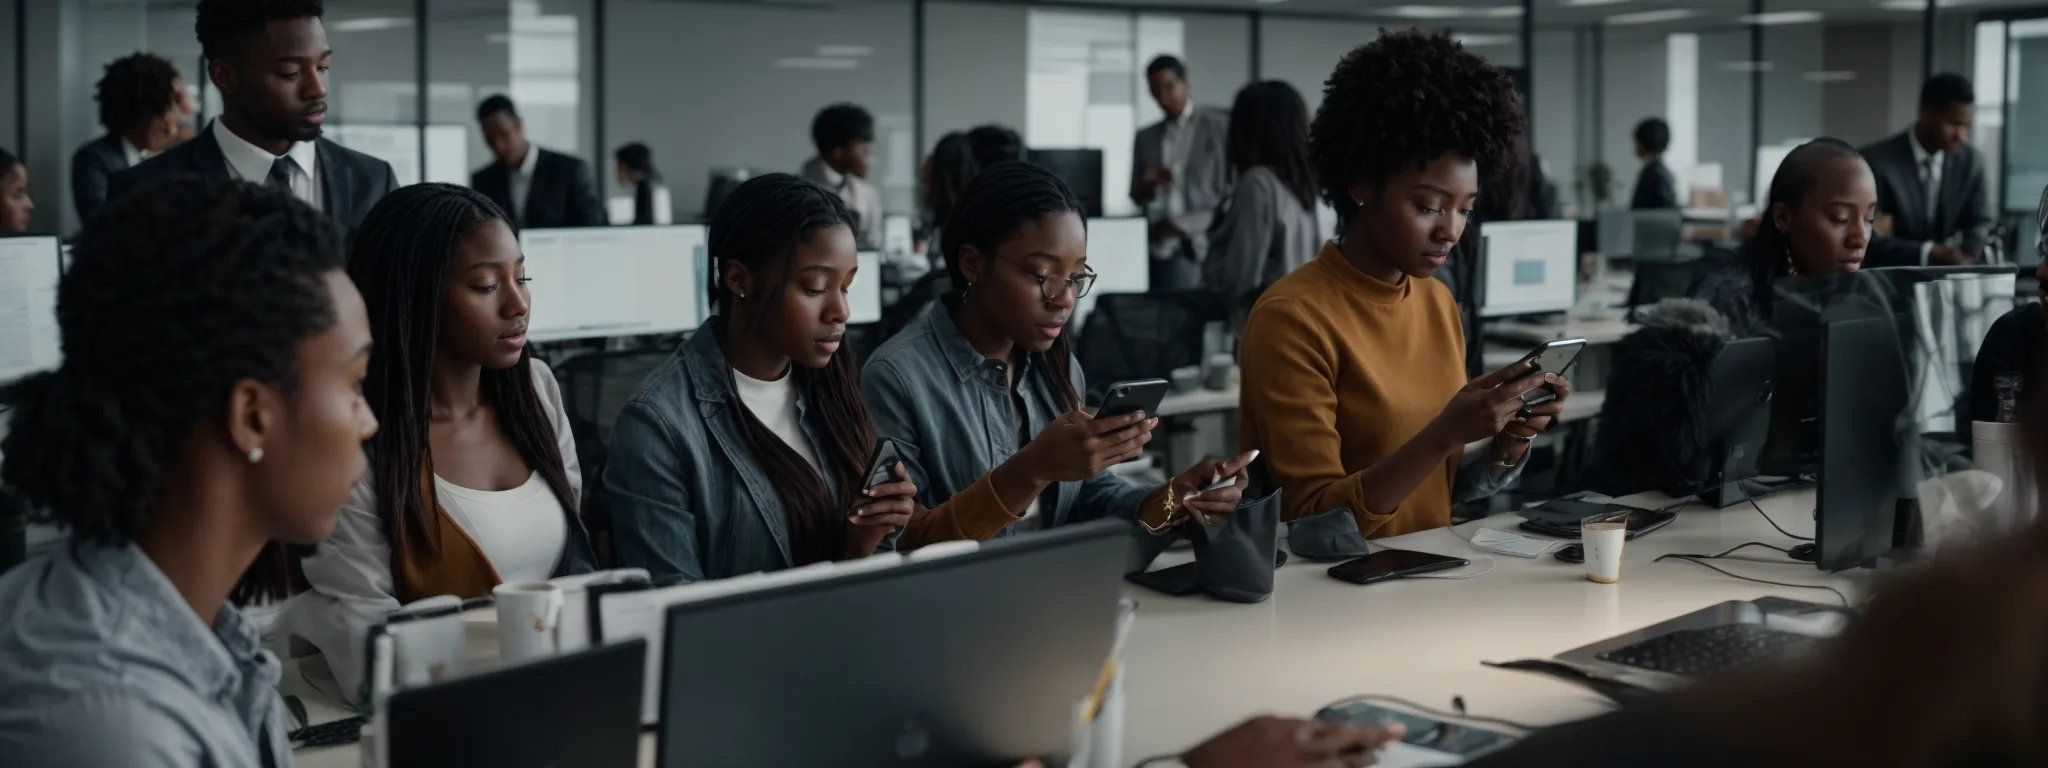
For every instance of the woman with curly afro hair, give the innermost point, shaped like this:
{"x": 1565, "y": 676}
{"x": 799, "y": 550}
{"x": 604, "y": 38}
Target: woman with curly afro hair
{"x": 1354, "y": 382}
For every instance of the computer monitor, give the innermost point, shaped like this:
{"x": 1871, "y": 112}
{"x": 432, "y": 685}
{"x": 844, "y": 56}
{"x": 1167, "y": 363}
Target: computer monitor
{"x": 1120, "y": 252}
{"x": 581, "y": 709}
{"x": 612, "y": 281}
{"x": 865, "y": 297}
{"x": 1767, "y": 161}
{"x": 29, "y": 270}
{"x": 1081, "y": 169}
{"x": 898, "y": 238}
{"x": 1617, "y": 233}
{"x": 1738, "y": 417}
{"x": 978, "y": 658}
{"x": 1528, "y": 267}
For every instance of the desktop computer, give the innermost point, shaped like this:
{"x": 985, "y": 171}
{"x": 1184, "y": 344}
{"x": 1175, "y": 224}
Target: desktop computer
{"x": 899, "y": 238}
{"x": 613, "y": 281}
{"x": 864, "y": 297}
{"x": 1120, "y": 253}
{"x": 1738, "y": 411}
{"x": 1527, "y": 267}
{"x": 1081, "y": 169}
{"x": 29, "y": 270}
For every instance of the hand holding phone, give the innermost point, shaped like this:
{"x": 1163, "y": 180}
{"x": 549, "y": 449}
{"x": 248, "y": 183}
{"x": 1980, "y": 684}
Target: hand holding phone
{"x": 1485, "y": 406}
{"x": 883, "y": 507}
{"x": 1079, "y": 445}
{"x": 1551, "y": 357}
{"x": 1213, "y": 487}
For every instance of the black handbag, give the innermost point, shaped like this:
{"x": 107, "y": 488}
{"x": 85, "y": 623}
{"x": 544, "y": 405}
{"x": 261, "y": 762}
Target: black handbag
{"x": 1234, "y": 557}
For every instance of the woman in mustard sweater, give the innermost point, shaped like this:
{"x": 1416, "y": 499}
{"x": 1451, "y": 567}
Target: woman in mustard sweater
{"x": 1354, "y": 382}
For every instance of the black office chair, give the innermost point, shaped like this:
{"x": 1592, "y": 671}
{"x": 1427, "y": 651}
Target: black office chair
{"x": 1144, "y": 335}
{"x": 595, "y": 387}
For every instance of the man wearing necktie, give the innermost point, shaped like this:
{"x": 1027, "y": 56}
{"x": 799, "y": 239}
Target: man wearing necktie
{"x": 270, "y": 62}
{"x": 1932, "y": 184}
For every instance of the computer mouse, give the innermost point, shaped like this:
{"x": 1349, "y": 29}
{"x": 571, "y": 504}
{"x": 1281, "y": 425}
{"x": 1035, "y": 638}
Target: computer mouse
{"x": 1574, "y": 553}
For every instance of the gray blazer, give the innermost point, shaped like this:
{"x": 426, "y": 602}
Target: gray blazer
{"x": 688, "y": 498}
{"x": 949, "y": 410}
{"x": 1962, "y": 213}
{"x": 1262, "y": 234}
{"x": 1206, "y": 178}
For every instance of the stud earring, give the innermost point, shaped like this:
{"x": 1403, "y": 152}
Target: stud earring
{"x": 256, "y": 455}
{"x": 743, "y": 294}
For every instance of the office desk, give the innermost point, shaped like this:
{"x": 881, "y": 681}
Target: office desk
{"x": 1195, "y": 666}
{"x": 1595, "y": 331}
{"x": 1198, "y": 402}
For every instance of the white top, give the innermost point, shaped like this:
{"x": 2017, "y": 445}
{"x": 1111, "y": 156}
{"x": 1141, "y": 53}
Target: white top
{"x": 133, "y": 154}
{"x": 251, "y": 163}
{"x": 774, "y": 403}
{"x": 351, "y": 571}
{"x": 521, "y": 531}
{"x": 522, "y": 181}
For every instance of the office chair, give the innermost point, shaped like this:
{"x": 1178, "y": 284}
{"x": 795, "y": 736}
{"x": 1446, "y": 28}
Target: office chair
{"x": 1144, "y": 335}
{"x": 595, "y": 387}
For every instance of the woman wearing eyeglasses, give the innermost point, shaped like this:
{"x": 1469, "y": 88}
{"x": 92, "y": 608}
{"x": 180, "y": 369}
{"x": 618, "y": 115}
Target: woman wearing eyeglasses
{"x": 983, "y": 395}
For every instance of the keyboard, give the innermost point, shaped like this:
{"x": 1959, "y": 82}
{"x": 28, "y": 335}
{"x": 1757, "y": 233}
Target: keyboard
{"x": 1701, "y": 653}
{"x": 329, "y": 734}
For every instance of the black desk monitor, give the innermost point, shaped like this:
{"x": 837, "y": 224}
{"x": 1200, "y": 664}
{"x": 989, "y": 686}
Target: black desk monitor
{"x": 581, "y": 709}
{"x": 1863, "y": 391}
{"x": 1738, "y": 417}
{"x": 969, "y": 659}
{"x": 1081, "y": 169}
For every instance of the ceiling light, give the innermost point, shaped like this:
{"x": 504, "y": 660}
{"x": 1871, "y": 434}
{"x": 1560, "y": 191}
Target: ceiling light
{"x": 1452, "y": 12}
{"x": 845, "y": 51}
{"x": 818, "y": 62}
{"x": 368, "y": 24}
{"x": 1269, "y": 2}
{"x": 1580, "y": 3}
{"x": 1777, "y": 18}
{"x": 1921, "y": 5}
{"x": 1828, "y": 76}
{"x": 1747, "y": 66}
{"x": 1652, "y": 17}
{"x": 1482, "y": 41}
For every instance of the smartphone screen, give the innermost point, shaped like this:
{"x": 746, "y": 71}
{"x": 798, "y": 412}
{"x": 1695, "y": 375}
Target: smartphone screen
{"x": 1552, "y": 357}
{"x": 1129, "y": 396}
{"x": 882, "y": 467}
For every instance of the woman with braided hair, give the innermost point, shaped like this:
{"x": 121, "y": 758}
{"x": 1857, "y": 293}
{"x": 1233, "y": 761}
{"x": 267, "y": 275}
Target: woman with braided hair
{"x": 747, "y": 451}
{"x": 207, "y": 409}
{"x": 473, "y": 480}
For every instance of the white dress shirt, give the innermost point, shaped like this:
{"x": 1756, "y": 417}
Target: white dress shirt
{"x": 522, "y": 182}
{"x": 1927, "y": 163}
{"x": 251, "y": 163}
{"x": 1174, "y": 147}
{"x": 133, "y": 154}
{"x": 859, "y": 195}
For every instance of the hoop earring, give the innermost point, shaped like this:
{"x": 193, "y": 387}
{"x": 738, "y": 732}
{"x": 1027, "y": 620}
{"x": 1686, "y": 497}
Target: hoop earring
{"x": 1791, "y": 267}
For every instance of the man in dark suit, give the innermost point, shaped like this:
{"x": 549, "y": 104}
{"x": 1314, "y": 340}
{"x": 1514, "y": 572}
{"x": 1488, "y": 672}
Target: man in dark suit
{"x": 1656, "y": 188}
{"x": 269, "y": 60}
{"x": 1931, "y": 184}
{"x": 541, "y": 189}
{"x": 139, "y": 98}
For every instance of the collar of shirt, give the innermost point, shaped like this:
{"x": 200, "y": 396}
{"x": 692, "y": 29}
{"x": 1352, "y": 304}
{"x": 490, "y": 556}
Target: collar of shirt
{"x": 827, "y": 175}
{"x": 1920, "y": 153}
{"x": 252, "y": 163}
{"x": 532, "y": 159}
{"x": 215, "y": 658}
{"x": 967, "y": 362}
{"x": 133, "y": 153}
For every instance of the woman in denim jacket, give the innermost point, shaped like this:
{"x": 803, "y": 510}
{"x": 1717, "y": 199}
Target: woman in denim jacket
{"x": 746, "y": 451}
{"x": 982, "y": 393}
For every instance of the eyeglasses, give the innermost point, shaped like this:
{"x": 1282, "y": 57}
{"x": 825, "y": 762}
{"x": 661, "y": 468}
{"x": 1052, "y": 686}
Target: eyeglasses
{"x": 1054, "y": 285}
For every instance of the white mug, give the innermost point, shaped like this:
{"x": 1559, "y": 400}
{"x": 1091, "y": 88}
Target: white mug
{"x": 528, "y": 612}
{"x": 1602, "y": 542}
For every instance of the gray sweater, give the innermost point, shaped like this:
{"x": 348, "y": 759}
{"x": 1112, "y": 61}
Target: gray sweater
{"x": 1262, "y": 233}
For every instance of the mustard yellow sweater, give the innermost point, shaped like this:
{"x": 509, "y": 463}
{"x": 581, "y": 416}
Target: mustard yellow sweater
{"x": 1341, "y": 369}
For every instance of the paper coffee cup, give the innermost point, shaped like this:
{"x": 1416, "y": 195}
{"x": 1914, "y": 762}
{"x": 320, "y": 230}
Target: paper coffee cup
{"x": 528, "y": 612}
{"x": 1602, "y": 542}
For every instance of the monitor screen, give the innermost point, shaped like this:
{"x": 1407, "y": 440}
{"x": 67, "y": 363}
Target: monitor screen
{"x": 898, "y": 239}
{"x": 1529, "y": 267}
{"x": 612, "y": 281}
{"x": 29, "y": 268}
{"x": 1767, "y": 161}
{"x": 1081, "y": 169}
{"x": 865, "y": 297}
{"x": 1120, "y": 252}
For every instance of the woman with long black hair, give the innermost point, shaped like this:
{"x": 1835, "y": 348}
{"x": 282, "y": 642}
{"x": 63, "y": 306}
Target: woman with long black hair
{"x": 1267, "y": 226}
{"x": 1821, "y": 214}
{"x": 473, "y": 482}
{"x": 983, "y": 392}
{"x": 747, "y": 451}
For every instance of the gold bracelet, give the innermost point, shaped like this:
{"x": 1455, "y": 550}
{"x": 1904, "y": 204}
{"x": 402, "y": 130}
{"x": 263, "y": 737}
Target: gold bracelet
{"x": 1165, "y": 500}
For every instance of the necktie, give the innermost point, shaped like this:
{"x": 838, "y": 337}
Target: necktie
{"x": 281, "y": 175}
{"x": 1928, "y": 187}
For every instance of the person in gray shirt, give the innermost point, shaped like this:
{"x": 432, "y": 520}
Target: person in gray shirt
{"x": 206, "y": 414}
{"x": 1267, "y": 226}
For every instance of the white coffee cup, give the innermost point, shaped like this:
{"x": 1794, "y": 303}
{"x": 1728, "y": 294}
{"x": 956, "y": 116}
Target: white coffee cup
{"x": 528, "y": 612}
{"x": 1602, "y": 542}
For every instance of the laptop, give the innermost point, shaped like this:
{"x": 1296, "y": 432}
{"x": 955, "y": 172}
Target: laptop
{"x": 976, "y": 658}
{"x": 581, "y": 709}
{"x": 1734, "y": 636}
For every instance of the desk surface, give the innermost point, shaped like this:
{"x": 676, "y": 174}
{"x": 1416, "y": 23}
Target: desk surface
{"x": 1196, "y": 666}
{"x": 1595, "y": 331}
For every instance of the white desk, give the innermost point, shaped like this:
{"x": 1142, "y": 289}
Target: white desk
{"x": 1595, "y": 331}
{"x": 1195, "y": 666}
{"x": 1198, "y": 402}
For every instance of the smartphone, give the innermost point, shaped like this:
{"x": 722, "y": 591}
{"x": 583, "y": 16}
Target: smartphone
{"x": 1393, "y": 564}
{"x": 1435, "y": 742}
{"x": 1552, "y": 357}
{"x": 1132, "y": 396}
{"x": 882, "y": 466}
{"x": 1575, "y": 553}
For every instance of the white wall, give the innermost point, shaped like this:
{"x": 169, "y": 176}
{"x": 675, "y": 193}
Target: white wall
{"x": 1219, "y": 57}
{"x": 975, "y": 55}
{"x": 1304, "y": 51}
{"x": 1632, "y": 88}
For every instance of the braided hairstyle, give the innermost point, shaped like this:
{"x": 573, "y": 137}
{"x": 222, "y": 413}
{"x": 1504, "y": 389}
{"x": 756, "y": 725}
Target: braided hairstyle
{"x": 175, "y": 294}
{"x": 1765, "y": 255}
{"x": 760, "y": 226}
{"x": 399, "y": 260}
{"x": 997, "y": 203}
{"x": 1405, "y": 99}
{"x": 135, "y": 89}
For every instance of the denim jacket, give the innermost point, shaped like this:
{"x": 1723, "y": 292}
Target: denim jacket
{"x": 688, "y": 497}
{"x": 949, "y": 410}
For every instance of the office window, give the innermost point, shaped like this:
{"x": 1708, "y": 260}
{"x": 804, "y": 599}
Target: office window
{"x": 2026, "y": 113}
{"x": 1302, "y": 52}
{"x": 372, "y": 91}
{"x": 712, "y": 85}
{"x": 538, "y": 52}
{"x": 1849, "y": 72}
{"x": 1083, "y": 88}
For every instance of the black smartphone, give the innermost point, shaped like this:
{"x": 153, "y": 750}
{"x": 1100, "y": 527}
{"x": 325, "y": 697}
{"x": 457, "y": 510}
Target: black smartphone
{"x": 882, "y": 466}
{"x": 1552, "y": 357}
{"x": 1393, "y": 564}
{"x": 1575, "y": 553}
{"x": 1130, "y": 396}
